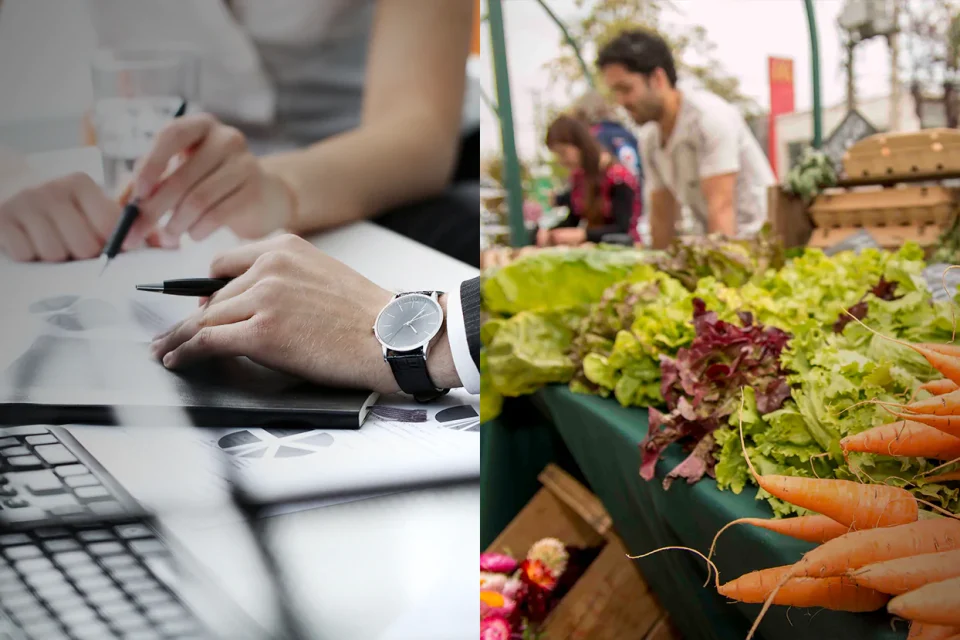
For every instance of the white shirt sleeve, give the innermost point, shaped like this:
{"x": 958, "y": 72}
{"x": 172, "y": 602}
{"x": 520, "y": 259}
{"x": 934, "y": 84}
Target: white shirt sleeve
{"x": 457, "y": 335}
{"x": 720, "y": 144}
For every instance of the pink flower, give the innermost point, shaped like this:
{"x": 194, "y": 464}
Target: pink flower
{"x": 497, "y": 563}
{"x": 492, "y": 581}
{"x": 493, "y": 604}
{"x": 511, "y": 588}
{"x": 495, "y": 629}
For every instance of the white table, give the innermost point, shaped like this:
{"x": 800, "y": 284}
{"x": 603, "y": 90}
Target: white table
{"x": 356, "y": 569}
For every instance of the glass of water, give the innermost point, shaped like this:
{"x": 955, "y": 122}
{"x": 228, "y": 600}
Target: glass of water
{"x": 136, "y": 93}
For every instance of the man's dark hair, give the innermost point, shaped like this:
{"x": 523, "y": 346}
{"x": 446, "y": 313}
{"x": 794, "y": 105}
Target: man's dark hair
{"x": 641, "y": 52}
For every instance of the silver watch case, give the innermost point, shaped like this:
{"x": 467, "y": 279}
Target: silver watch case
{"x": 425, "y": 343}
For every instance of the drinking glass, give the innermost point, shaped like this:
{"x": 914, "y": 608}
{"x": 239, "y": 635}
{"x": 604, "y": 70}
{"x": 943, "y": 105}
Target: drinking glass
{"x": 136, "y": 91}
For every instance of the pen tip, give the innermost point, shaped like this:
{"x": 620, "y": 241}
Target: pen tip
{"x": 104, "y": 263}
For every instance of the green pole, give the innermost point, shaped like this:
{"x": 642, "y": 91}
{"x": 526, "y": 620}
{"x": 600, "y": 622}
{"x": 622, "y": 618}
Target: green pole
{"x": 569, "y": 39}
{"x": 815, "y": 64}
{"x": 511, "y": 167}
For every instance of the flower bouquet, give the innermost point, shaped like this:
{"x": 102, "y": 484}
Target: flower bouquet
{"x": 517, "y": 596}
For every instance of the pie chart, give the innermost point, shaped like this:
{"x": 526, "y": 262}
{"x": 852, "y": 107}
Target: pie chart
{"x": 274, "y": 443}
{"x": 460, "y": 418}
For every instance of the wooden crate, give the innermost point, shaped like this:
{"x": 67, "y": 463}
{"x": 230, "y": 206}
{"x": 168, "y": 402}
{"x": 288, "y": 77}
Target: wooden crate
{"x": 932, "y": 152}
{"x": 611, "y": 600}
{"x": 789, "y": 219}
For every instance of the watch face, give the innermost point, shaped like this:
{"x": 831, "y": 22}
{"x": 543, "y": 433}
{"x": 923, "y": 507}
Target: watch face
{"x": 409, "y": 322}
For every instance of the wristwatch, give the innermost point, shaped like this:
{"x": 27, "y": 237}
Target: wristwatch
{"x": 404, "y": 329}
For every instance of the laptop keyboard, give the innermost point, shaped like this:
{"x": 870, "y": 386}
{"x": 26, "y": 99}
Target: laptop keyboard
{"x": 41, "y": 479}
{"x": 60, "y": 580}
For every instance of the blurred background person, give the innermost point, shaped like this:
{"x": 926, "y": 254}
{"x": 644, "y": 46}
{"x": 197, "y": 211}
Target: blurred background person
{"x": 327, "y": 112}
{"x": 606, "y": 127}
{"x": 603, "y": 194}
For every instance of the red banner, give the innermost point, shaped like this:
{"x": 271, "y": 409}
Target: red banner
{"x": 781, "y": 100}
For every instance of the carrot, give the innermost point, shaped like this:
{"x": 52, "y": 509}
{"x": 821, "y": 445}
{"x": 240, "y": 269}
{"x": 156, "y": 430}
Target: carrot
{"x": 939, "y": 387}
{"x": 906, "y": 574}
{"x": 861, "y": 548}
{"x": 944, "y": 349}
{"x": 904, "y": 438}
{"x": 931, "y": 632}
{"x": 943, "y": 477}
{"x": 947, "y": 404}
{"x": 934, "y": 603}
{"x": 853, "y": 505}
{"x": 947, "y": 365}
{"x": 837, "y": 593}
{"x": 947, "y": 424}
{"x": 814, "y": 528}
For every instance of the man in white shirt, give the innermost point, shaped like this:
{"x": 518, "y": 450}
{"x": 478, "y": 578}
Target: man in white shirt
{"x": 697, "y": 150}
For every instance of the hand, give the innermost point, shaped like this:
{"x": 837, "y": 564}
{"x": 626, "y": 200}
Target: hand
{"x": 293, "y": 308}
{"x": 217, "y": 182}
{"x": 543, "y": 237}
{"x": 569, "y": 235}
{"x": 63, "y": 219}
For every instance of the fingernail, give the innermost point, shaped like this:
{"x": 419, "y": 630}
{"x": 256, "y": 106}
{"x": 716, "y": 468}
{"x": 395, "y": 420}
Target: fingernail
{"x": 143, "y": 189}
{"x": 168, "y": 359}
{"x": 169, "y": 240}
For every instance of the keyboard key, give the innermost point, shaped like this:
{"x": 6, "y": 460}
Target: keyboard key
{"x": 8, "y": 442}
{"x": 8, "y": 491}
{"x": 22, "y": 552}
{"x": 91, "y": 494}
{"x": 156, "y": 596}
{"x": 93, "y": 630}
{"x": 76, "y": 617}
{"x": 25, "y": 462}
{"x": 142, "y": 634}
{"x": 38, "y": 579}
{"x": 128, "y": 622}
{"x": 87, "y": 480}
{"x": 177, "y": 628}
{"x": 139, "y": 585}
{"x": 31, "y": 514}
{"x": 95, "y": 535}
{"x": 130, "y": 531}
{"x": 71, "y": 558}
{"x": 116, "y": 607}
{"x": 16, "y": 503}
{"x": 48, "y": 439}
{"x": 148, "y": 546}
{"x": 14, "y": 451}
{"x": 107, "y": 508}
{"x": 106, "y": 595}
{"x": 56, "y": 546}
{"x": 51, "y": 533}
{"x": 90, "y": 584}
{"x": 71, "y": 470}
{"x": 43, "y": 483}
{"x": 19, "y": 600}
{"x": 33, "y": 564}
{"x": 106, "y": 548}
{"x": 83, "y": 570}
{"x": 44, "y": 629}
{"x": 55, "y": 454}
{"x": 30, "y": 614}
{"x": 162, "y": 569}
{"x": 164, "y": 612}
{"x": 128, "y": 573}
{"x": 116, "y": 562}
{"x": 67, "y": 603}
{"x": 56, "y": 591}
{"x": 26, "y": 430}
{"x": 67, "y": 509}
{"x": 11, "y": 539}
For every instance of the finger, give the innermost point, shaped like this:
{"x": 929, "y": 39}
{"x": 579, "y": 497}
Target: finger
{"x": 102, "y": 211}
{"x": 229, "y": 340}
{"x": 213, "y": 151}
{"x": 239, "y": 285}
{"x": 15, "y": 242}
{"x": 217, "y": 215}
{"x": 75, "y": 230}
{"x": 43, "y": 235}
{"x": 236, "y": 261}
{"x": 226, "y": 181}
{"x": 176, "y": 137}
{"x": 236, "y": 310}
{"x": 160, "y": 239}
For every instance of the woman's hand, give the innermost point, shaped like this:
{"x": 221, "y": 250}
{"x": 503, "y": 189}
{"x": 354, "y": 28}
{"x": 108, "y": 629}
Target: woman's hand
{"x": 290, "y": 307}
{"x": 543, "y": 238}
{"x": 573, "y": 236}
{"x": 217, "y": 182}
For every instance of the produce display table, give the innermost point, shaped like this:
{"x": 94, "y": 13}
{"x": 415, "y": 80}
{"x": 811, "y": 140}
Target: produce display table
{"x": 603, "y": 439}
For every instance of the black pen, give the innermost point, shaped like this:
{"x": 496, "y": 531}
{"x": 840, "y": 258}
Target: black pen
{"x": 196, "y": 287}
{"x": 131, "y": 211}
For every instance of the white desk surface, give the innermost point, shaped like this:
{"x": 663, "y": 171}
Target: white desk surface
{"x": 402, "y": 566}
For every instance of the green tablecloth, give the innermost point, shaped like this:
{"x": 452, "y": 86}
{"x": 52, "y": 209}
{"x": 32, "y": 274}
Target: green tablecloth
{"x": 603, "y": 438}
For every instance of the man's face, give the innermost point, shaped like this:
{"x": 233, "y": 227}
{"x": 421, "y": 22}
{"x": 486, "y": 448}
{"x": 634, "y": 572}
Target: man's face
{"x": 642, "y": 97}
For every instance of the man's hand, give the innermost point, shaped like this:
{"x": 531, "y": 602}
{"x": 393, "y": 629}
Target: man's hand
{"x": 217, "y": 182}
{"x": 573, "y": 236}
{"x": 69, "y": 218}
{"x": 289, "y": 307}
{"x": 718, "y": 191}
{"x": 543, "y": 237}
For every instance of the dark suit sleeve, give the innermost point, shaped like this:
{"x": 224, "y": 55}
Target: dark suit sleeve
{"x": 470, "y": 303}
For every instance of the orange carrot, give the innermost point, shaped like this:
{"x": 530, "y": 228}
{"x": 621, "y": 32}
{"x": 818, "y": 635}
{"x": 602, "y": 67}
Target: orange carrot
{"x": 814, "y": 528}
{"x": 939, "y": 387}
{"x": 906, "y": 574}
{"x": 905, "y": 438}
{"x": 935, "y": 603}
{"x": 947, "y": 365}
{"x": 943, "y": 477}
{"x": 947, "y": 424}
{"x": 920, "y": 631}
{"x": 947, "y": 404}
{"x": 837, "y": 593}
{"x": 853, "y": 505}
{"x": 945, "y": 349}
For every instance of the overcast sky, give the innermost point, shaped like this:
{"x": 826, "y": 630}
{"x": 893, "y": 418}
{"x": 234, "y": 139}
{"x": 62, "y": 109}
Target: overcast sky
{"x": 776, "y": 27}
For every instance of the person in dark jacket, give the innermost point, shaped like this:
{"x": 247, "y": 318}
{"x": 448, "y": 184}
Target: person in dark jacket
{"x": 603, "y": 195}
{"x": 615, "y": 138}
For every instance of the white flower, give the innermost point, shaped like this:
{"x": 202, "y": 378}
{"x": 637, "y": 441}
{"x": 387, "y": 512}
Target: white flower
{"x": 552, "y": 553}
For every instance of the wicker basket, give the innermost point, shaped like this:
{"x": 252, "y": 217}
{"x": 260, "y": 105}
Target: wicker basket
{"x": 611, "y": 600}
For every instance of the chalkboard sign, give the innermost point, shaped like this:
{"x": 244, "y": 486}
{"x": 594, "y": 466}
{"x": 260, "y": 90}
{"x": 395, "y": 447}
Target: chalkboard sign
{"x": 933, "y": 274}
{"x": 852, "y": 129}
{"x": 855, "y": 242}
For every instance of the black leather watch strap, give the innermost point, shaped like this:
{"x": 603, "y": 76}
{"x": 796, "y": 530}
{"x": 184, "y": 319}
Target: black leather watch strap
{"x": 410, "y": 370}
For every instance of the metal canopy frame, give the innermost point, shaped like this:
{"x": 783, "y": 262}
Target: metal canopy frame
{"x": 504, "y": 112}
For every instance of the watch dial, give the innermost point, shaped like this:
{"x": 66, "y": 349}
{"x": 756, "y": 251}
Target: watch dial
{"x": 408, "y": 321}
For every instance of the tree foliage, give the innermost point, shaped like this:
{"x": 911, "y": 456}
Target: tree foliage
{"x": 599, "y": 21}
